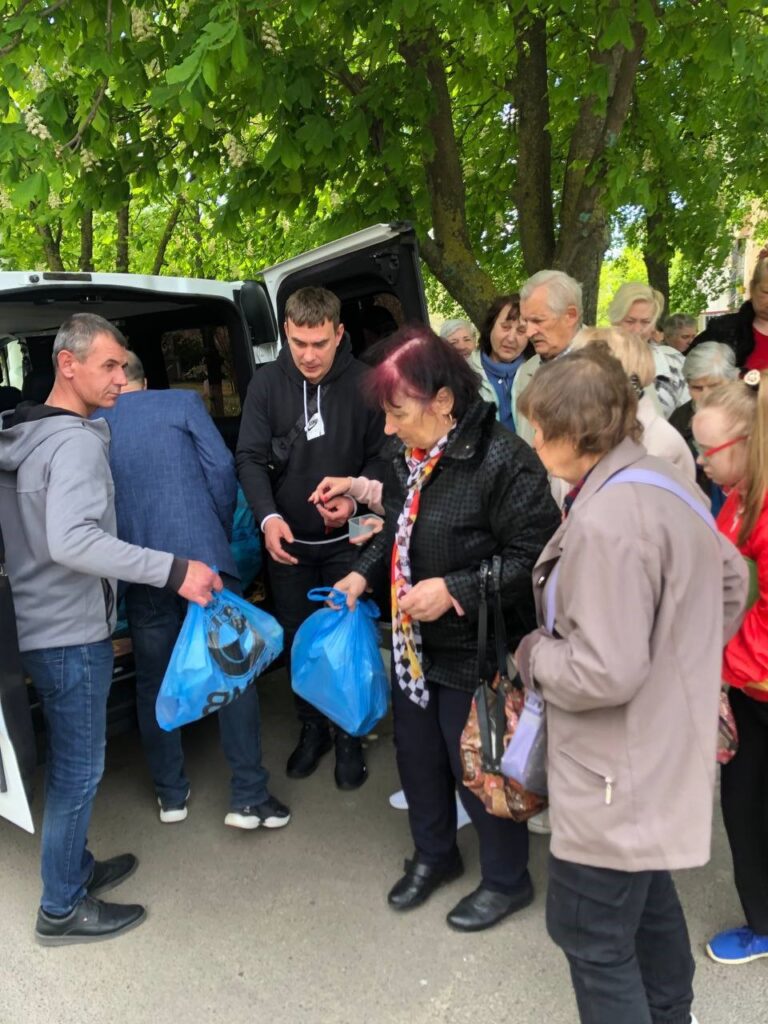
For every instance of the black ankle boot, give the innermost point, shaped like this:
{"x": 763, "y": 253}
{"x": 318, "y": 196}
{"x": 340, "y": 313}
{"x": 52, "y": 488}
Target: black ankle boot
{"x": 351, "y": 771}
{"x": 315, "y": 740}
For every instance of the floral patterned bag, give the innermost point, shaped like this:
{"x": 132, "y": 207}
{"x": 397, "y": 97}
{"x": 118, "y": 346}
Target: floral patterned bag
{"x": 493, "y": 718}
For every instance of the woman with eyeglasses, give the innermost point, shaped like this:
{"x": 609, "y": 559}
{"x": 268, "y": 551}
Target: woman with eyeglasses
{"x": 731, "y": 434}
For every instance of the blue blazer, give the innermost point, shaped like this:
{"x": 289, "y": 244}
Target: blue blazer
{"x": 175, "y": 482}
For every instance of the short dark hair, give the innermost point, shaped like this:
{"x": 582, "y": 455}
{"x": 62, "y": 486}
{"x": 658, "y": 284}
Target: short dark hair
{"x": 496, "y": 307}
{"x": 417, "y": 362}
{"x": 584, "y": 396}
{"x": 311, "y": 307}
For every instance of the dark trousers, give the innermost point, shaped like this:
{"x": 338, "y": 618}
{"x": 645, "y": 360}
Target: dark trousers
{"x": 429, "y": 762}
{"x": 626, "y": 941}
{"x": 744, "y": 796}
{"x": 154, "y": 619}
{"x": 318, "y": 567}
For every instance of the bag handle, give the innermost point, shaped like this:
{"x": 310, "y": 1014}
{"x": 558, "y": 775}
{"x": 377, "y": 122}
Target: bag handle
{"x": 633, "y": 476}
{"x": 323, "y": 594}
{"x": 491, "y": 739}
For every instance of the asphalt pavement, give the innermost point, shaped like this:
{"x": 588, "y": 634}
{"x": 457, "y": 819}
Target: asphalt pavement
{"x": 291, "y": 926}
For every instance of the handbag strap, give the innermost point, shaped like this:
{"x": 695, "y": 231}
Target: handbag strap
{"x": 633, "y": 476}
{"x": 491, "y": 733}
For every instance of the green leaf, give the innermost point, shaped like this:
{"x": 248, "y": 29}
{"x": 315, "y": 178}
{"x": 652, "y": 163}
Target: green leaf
{"x": 617, "y": 31}
{"x": 211, "y": 72}
{"x": 186, "y": 72}
{"x": 238, "y": 53}
{"x": 33, "y": 189}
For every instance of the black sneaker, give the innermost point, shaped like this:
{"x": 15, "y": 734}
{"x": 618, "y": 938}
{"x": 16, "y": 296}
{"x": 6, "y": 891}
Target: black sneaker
{"x": 108, "y": 874}
{"x": 351, "y": 770}
{"x": 315, "y": 740}
{"x": 90, "y": 921}
{"x": 270, "y": 814}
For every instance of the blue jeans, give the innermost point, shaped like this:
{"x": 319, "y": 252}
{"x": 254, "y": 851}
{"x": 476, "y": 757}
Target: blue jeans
{"x": 154, "y": 619}
{"x": 73, "y": 685}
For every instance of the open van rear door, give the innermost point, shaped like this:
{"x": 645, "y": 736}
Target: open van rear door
{"x": 374, "y": 272}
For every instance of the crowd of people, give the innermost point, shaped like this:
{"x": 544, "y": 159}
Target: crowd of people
{"x": 591, "y": 460}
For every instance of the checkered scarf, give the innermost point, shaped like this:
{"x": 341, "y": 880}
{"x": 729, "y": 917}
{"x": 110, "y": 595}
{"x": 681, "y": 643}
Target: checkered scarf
{"x": 406, "y": 634}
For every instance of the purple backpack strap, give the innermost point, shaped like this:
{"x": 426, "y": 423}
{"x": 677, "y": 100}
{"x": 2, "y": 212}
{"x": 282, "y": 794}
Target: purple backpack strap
{"x": 632, "y": 476}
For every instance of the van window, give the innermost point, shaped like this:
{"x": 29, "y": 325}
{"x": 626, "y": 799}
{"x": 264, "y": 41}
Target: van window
{"x": 200, "y": 359}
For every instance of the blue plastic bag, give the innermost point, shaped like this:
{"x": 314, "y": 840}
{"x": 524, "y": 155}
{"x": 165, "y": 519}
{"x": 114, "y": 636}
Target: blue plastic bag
{"x": 337, "y": 666}
{"x": 218, "y": 654}
{"x": 246, "y": 543}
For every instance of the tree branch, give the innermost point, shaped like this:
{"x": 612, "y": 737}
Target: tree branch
{"x": 121, "y": 246}
{"x": 170, "y": 227}
{"x": 51, "y": 247}
{"x": 86, "y": 241}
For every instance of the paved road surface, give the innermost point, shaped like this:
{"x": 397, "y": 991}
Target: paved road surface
{"x": 292, "y": 926}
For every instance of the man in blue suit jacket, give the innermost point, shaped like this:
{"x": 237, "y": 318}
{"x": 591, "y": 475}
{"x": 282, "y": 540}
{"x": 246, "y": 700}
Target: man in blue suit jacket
{"x": 175, "y": 490}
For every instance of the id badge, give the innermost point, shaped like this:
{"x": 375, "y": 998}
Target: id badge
{"x": 315, "y": 428}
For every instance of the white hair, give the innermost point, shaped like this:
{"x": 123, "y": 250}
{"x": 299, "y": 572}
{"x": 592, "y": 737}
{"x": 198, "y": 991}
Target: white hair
{"x": 76, "y": 335}
{"x": 562, "y": 290}
{"x": 457, "y": 324}
{"x": 711, "y": 359}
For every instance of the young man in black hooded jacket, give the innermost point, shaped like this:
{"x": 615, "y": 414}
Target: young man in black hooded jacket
{"x": 305, "y": 418}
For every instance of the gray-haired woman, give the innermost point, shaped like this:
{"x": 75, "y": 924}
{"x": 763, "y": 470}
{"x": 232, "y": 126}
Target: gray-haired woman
{"x": 461, "y": 334}
{"x": 706, "y": 366}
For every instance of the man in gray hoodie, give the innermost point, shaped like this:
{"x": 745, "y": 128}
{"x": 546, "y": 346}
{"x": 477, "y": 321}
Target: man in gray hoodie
{"x": 63, "y": 559}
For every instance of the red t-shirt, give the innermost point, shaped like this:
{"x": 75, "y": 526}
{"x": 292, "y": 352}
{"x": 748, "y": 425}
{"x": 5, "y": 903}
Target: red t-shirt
{"x": 745, "y": 660}
{"x": 758, "y": 357}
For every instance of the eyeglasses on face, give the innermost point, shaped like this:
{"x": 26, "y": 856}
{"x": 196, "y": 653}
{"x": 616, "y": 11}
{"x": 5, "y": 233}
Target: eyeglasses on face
{"x": 707, "y": 453}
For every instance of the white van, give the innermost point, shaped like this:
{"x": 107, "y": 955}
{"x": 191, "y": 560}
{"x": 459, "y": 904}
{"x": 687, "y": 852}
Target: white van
{"x": 194, "y": 333}
{"x": 209, "y": 335}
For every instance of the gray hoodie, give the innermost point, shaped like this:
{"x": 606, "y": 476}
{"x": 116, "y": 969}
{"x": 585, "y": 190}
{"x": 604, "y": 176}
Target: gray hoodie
{"x": 57, "y": 514}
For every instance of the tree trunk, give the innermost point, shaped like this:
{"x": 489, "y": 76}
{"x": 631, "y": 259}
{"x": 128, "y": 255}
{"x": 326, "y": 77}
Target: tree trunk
{"x": 448, "y": 249}
{"x": 86, "y": 241}
{"x": 51, "y": 246}
{"x": 583, "y": 235}
{"x": 121, "y": 249}
{"x": 657, "y": 254}
{"x": 170, "y": 227}
{"x": 533, "y": 192}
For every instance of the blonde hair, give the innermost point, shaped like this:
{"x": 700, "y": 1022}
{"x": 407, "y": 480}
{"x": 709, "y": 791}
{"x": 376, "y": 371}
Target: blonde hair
{"x": 746, "y": 410}
{"x": 633, "y": 354}
{"x": 628, "y": 294}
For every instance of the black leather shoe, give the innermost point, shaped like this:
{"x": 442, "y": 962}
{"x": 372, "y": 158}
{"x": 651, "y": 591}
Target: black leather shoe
{"x": 351, "y": 770}
{"x": 420, "y": 881}
{"x": 484, "y": 908}
{"x": 315, "y": 740}
{"x": 90, "y": 921}
{"x": 108, "y": 874}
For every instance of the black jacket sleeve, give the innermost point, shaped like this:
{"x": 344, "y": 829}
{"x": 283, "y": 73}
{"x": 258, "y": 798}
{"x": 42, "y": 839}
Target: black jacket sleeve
{"x": 254, "y": 446}
{"x": 523, "y": 516}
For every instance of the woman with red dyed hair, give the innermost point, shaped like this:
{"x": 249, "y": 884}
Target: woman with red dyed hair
{"x": 458, "y": 490}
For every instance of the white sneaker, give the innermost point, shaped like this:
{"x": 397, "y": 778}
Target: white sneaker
{"x": 539, "y": 824}
{"x": 399, "y": 802}
{"x": 694, "y": 1019}
{"x": 170, "y": 815}
{"x": 270, "y": 814}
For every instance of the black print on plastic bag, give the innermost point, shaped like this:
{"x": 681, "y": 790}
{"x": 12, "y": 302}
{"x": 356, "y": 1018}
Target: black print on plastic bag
{"x": 234, "y": 645}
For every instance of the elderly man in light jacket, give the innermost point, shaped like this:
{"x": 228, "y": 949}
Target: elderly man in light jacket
{"x": 551, "y": 309}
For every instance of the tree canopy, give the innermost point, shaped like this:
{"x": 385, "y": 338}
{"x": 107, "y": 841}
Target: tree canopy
{"x": 214, "y": 138}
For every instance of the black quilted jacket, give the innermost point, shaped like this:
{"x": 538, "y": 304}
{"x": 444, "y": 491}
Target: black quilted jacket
{"x": 488, "y": 495}
{"x": 734, "y": 329}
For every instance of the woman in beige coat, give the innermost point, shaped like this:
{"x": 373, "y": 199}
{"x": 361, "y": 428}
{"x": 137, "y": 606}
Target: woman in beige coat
{"x": 632, "y": 684}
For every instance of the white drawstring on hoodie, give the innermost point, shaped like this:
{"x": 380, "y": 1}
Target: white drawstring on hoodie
{"x": 344, "y": 536}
